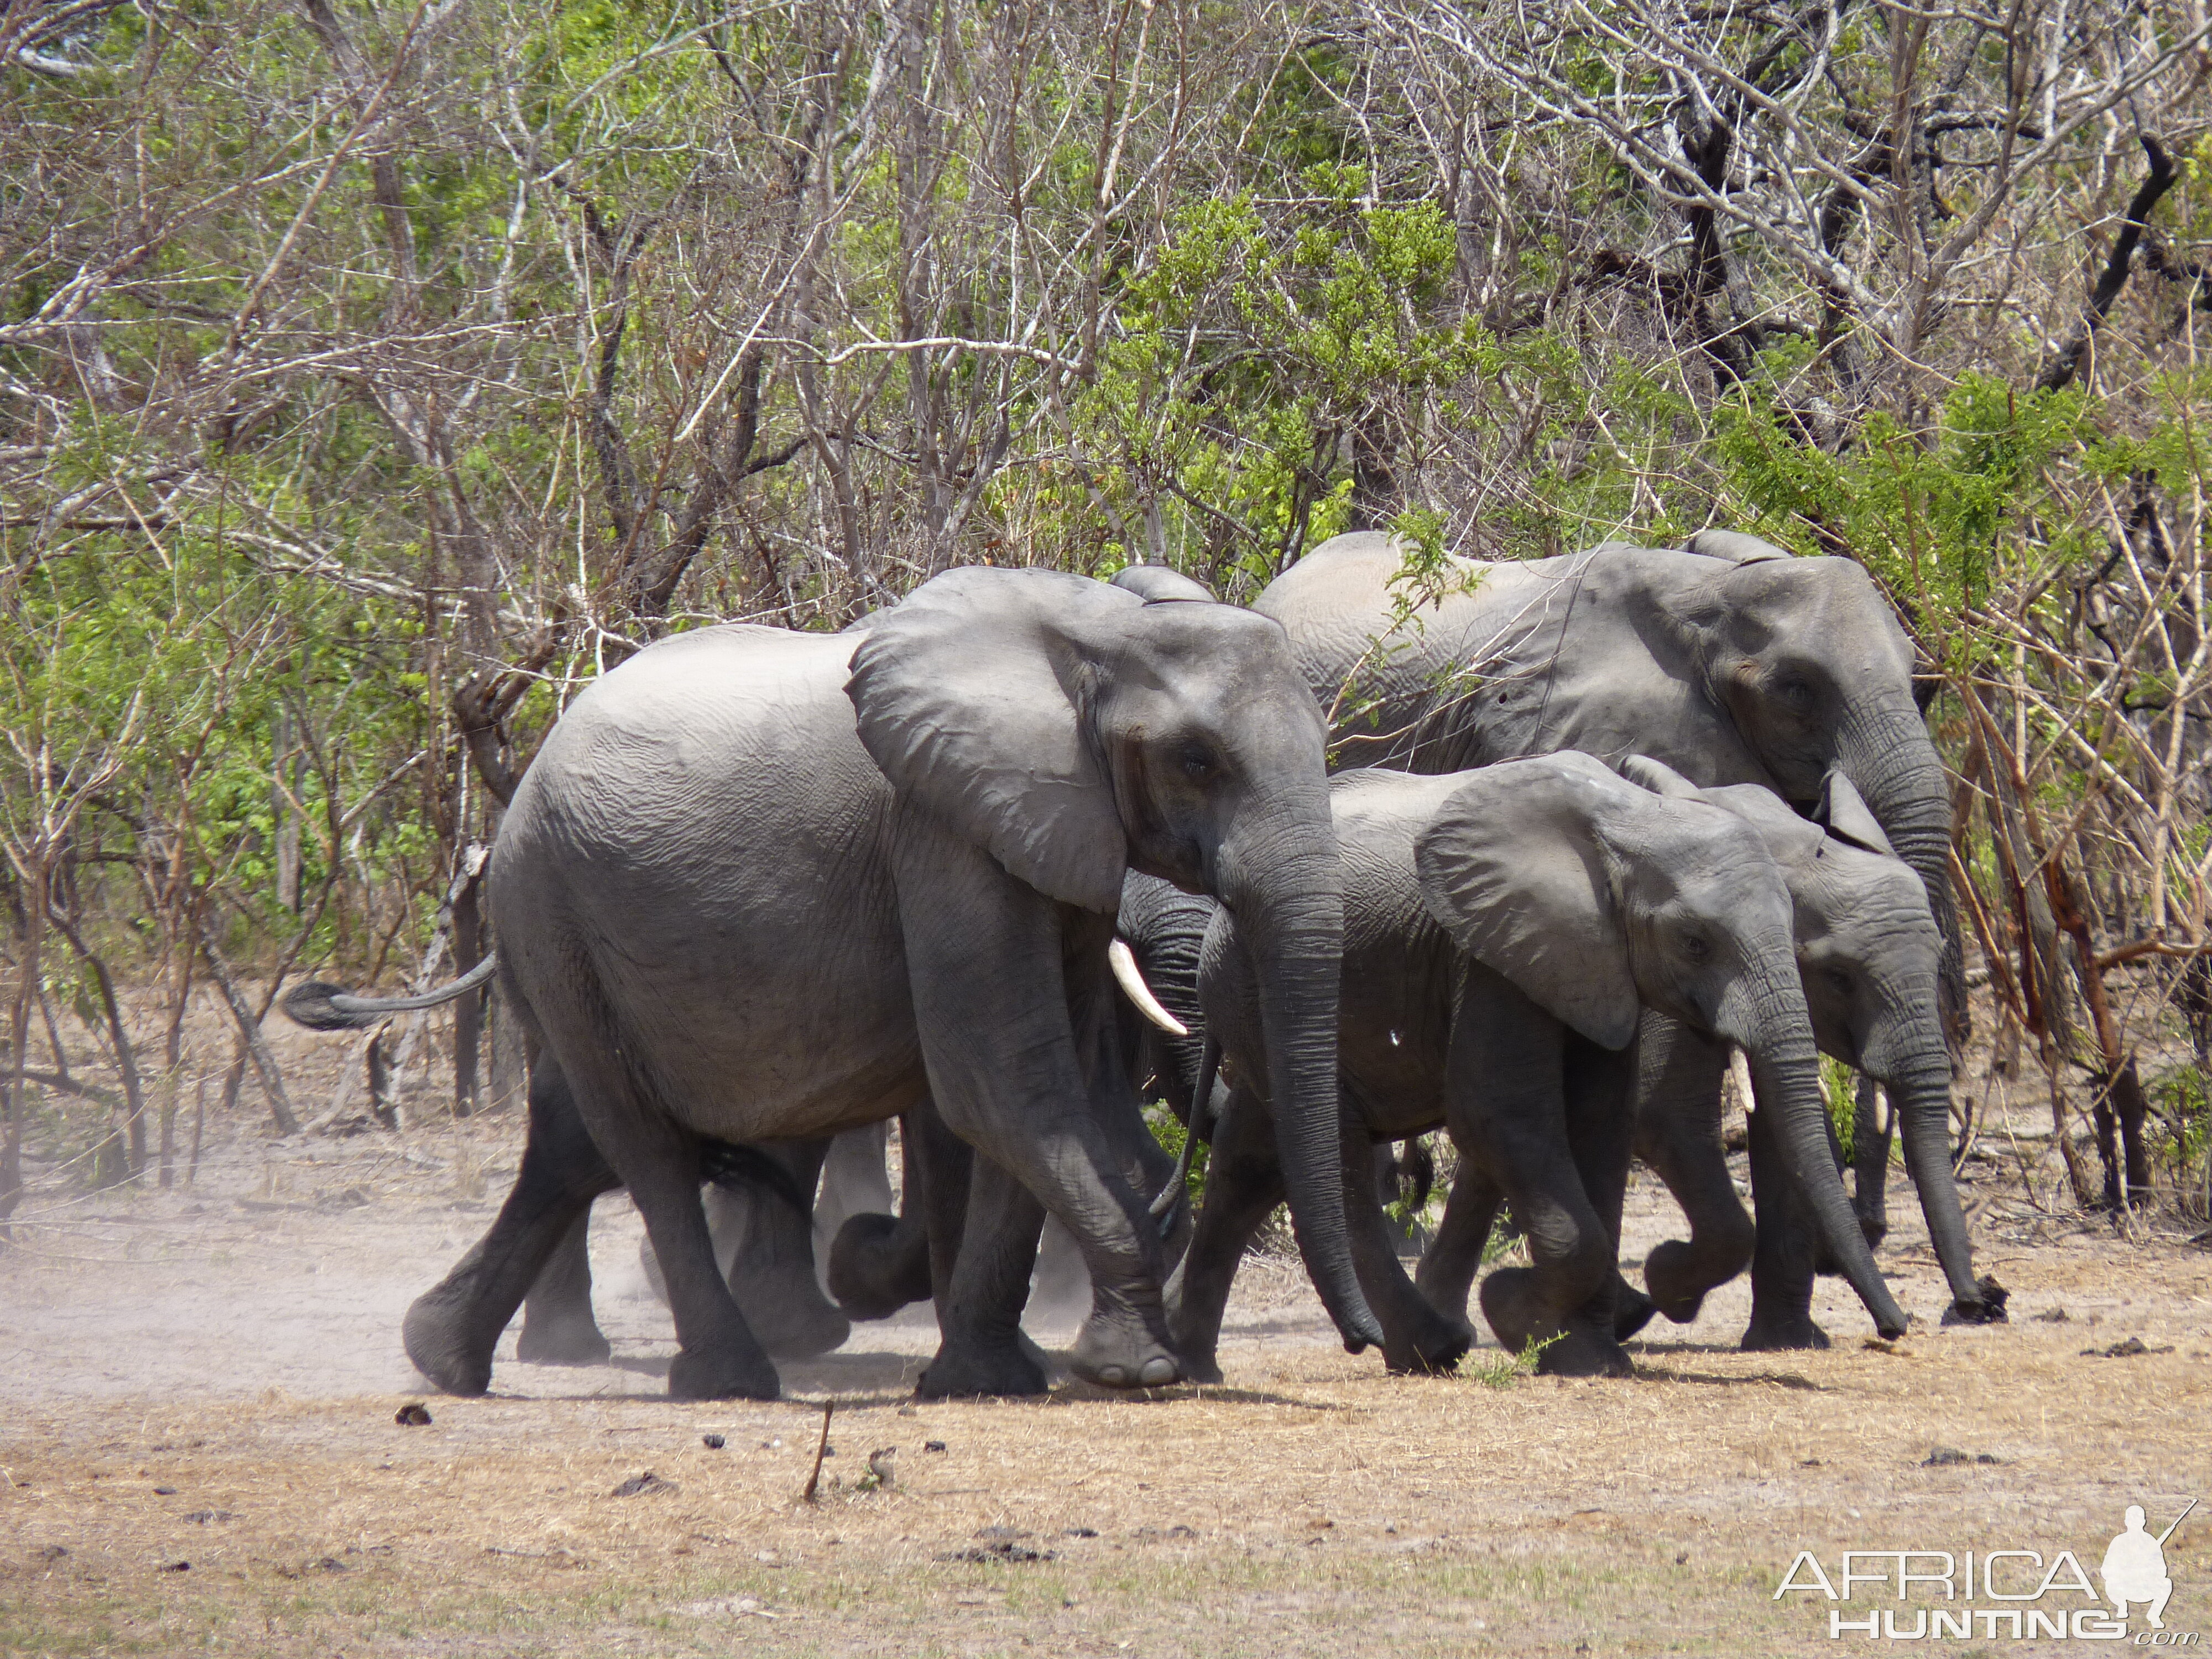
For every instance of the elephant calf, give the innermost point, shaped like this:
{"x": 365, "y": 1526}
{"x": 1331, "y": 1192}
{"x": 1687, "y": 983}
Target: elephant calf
{"x": 1506, "y": 928}
{"x": 1869, "y": 955}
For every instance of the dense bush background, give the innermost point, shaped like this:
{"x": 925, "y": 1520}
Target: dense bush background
{"x": 373, "y": 376}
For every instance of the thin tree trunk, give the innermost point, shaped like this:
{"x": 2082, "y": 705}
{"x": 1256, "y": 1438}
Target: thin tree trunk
{"x": 249, "y": 1031}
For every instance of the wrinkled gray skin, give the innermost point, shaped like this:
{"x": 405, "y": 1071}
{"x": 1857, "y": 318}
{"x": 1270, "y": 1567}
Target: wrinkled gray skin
{"x": 1732, "y": 664}
{"x": 879, "y": 1263}
{"x": 760, "y": 885}
{"x": 1504, "y": 930}
{"x": 1869, "y": 955}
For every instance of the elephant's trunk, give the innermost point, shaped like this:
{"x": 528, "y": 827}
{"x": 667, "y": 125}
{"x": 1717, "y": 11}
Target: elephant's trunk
{"x": 1765, "y": 1015}
{"x": 1286, "y": 892}
{"x": 1920, "y": 1096}
{"x": 1887, "y": 754}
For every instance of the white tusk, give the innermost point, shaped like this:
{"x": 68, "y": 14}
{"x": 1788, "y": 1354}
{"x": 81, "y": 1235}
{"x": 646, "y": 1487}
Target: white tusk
{"x": 1739, "y": 1070}
{"x": 1132, "y": 980}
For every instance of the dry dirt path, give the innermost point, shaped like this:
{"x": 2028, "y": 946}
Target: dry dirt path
{"x": 197, "y": 1454}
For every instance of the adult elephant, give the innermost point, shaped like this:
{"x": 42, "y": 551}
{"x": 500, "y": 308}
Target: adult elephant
{"x": 1730, "y": 662}
{"x": 762, "y": 886}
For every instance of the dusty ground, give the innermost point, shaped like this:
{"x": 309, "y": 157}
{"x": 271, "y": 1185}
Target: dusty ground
{"x": 197, "y": 1454}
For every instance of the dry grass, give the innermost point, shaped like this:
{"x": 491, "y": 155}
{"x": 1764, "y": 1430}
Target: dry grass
{"x": 236, "y": 1342}
{"x": 243, "y": 1356}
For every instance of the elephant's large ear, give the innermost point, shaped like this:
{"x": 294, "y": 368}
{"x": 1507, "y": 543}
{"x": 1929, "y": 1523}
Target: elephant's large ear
{"x": 971, "y": 695}
{"x": 1843, "y": 813}
{"x": 1735, "y": 547}
{"x": 1157, "y": 584}
{"x": 1659, "y": 778}
{"x": 1511, "y": 868}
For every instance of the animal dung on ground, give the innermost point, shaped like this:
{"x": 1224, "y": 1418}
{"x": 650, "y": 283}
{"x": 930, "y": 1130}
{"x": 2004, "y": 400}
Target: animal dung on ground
{"x": 2056, "y": 1316}
{"x": 176, "y": 1566}
{"x": 2127, "y": 1350}
{"x": 713, "y": 1442}
{"x": 998, "y": 1544}
{"x": 1942, "y": 1456}
{"x": 933, "y": 1445}
{"x": 165, "y": 1492}
{"x": 639, "y": 1485}
{"x": 412, "y": 1415}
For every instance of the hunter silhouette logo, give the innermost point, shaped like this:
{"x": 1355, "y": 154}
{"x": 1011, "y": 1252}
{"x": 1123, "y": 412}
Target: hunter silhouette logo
{"x": 2028, "y": 1592}
{"x": 2135, "y": 1567}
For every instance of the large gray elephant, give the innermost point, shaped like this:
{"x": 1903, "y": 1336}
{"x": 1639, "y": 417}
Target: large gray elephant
{"x": 760, "y": 885}
{"x": 1867, "y": 954}
{"x": 1504, "y": 929}
{"x": 1731, "y": 663}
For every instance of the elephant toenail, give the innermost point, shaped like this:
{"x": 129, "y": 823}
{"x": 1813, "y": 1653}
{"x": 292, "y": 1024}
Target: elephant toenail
{"x": 1159, "y": 1372}
{"x": 1114, "y": 1377}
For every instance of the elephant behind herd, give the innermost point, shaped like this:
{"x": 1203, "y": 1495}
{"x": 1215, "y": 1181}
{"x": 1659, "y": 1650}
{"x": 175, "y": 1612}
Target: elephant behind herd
{"x": 759, "y": 887}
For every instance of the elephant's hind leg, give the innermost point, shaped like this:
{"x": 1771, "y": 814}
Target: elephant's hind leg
{"x": 450, "y": 1330}
{"x": 660, "y": 1162}
{"x": 768, "y": 1245}
{"x": 558, "y": 1326}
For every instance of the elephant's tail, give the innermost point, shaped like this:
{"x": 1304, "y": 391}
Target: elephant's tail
{"x": 321, "y": 1006}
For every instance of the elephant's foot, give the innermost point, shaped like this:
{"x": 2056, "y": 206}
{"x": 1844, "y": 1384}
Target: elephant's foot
{"x": 1519, "y": 1317}
{"x": 874, "y": 1269}
{"x": 1773, "y": 1332}
{"x": 784, "y": 1311}
{"x": 1678, "y": 1289}
{"x": 443, "y": 1344}
{"x": 1433, "y": 1346}
{"x": 1632, "y": 1311}
{"x": 1986, "y": 1309}
{"x": 724, "y": 1374}
{"x": 1120, "y": 1353}
{"x": 971, "y": 1369}
{"x": 561, "y": 1340}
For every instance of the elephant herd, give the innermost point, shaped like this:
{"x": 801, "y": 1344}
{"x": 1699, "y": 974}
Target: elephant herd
{"x": 1594, "y": 822}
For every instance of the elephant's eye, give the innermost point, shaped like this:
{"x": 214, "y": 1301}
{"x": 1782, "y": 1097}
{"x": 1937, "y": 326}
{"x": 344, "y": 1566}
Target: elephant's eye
{"x": 1696, "y": 946}
{"x": 1839, "y": 981}
{"x": 1796, "y": 695}
{"x": 1197, "y": 764}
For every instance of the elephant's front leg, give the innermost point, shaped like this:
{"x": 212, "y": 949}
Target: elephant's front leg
{"x": 1416, "y": 1338}
{"x": 1783, "y": 1259}
{"x": 1448, "y": 1266}
{"x": 984, "y": 956}
{"x": 1678, "y": 1133}
{"x": 1507, "y": 1096}
{"x": 1244, "y": 1184}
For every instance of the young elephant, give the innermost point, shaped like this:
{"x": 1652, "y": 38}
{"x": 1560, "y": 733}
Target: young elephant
{"x": 1504, "y": 930}
{"x": 1869, "y": 955}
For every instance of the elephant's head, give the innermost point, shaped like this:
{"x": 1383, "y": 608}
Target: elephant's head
{"x": 1870, "y": 957}
{"x": 1076, "y": 731}
{"x": 1806, "y": 658}
{"x": 1599, "y": 898}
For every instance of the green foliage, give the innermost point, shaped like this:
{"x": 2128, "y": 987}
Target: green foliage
{"x": 1168, "y": 1129}
{"x": 1499, "y": 1370}
{"x": 1838, "y": 1091}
